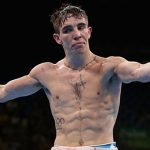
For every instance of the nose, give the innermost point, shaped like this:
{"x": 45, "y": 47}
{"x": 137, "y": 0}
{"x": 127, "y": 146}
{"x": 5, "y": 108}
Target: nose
{"x": 76, "y": 34}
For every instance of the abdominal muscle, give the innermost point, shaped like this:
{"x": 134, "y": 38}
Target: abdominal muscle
{"x": 84, "y": 123}
{"x": 83, "y": 106}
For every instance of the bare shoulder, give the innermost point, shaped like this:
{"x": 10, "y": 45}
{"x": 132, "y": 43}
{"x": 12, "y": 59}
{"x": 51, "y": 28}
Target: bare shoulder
{"x": 111, "y": 59}
{"x": 99, "y": 58}
{"x": 60, "y": 63}
{"x": 42, "y": 68}
{"x": 115, "y": 59}
{"x": 110, "y": 64}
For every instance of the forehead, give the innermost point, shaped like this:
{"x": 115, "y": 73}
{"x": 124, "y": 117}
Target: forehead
{"x": 74, "y": 21}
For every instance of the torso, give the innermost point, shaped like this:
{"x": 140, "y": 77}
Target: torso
{"x": 84, "y": 103}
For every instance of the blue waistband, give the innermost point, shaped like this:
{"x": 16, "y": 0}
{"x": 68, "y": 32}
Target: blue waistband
{"x": 109, "y": 145}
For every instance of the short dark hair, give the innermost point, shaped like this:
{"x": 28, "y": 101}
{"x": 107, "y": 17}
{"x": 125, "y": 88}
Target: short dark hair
{"x": 66, "y": 10}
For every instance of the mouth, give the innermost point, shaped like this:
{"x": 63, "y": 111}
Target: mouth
{"x": 78, "y": 44}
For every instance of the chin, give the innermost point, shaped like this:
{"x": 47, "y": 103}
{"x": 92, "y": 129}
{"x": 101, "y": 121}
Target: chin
{"x": 79, "y": 50}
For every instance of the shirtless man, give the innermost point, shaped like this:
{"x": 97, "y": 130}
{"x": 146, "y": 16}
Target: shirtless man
{"x": 83, "y": 89}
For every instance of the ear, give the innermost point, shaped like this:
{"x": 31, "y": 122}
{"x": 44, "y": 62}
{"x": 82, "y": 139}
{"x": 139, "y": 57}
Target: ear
{"x": 57, "y": 38}
{"x": 89, "y": 31}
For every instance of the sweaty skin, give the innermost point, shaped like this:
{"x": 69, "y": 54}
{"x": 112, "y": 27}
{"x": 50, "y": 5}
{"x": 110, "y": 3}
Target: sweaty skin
{"x": 83, "y": 90}
{"x": 84, "y": 103}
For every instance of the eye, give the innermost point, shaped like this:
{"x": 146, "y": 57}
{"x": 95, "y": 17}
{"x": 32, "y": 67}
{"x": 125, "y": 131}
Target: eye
{"x": 81, "y": 26}
{"x": 67, "y": 29}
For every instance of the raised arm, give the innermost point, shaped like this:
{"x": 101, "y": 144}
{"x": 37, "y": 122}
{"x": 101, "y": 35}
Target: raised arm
{"x": 20, "y": 87}
{"x": 133, "y": 71}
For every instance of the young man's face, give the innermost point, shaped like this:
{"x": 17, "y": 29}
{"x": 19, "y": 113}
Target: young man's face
{"x": 74, "y": 35}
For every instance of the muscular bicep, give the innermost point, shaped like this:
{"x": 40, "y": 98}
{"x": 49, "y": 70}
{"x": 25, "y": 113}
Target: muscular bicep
{"x": 128, "y": 71}
{"x": 23, "y": 86}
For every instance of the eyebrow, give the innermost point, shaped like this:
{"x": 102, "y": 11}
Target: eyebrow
{"x": 70, "y": 26}
{"x": 84, "y": 24}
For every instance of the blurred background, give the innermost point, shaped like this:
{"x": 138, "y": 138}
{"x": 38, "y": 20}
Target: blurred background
{"x": 120, "y": 28}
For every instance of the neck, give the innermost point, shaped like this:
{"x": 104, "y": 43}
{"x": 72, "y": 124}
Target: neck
{"x": 80, "y": 61}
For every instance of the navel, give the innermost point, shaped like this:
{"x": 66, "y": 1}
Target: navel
{"x": 81, "y": 142}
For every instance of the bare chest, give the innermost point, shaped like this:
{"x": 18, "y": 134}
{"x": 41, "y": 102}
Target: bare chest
{"x": 68, "y": 88}
{"x": 75, "y": 84}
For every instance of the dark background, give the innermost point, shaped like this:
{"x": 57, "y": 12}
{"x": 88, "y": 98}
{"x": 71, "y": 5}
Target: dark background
{"x": 120, "y": 28}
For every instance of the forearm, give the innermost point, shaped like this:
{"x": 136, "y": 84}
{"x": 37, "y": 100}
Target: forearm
{"x": 133, "y": 71}
{"x": 143, "y": 72}
{"x": 20, "y": 87}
